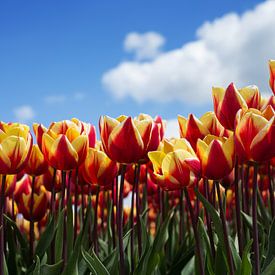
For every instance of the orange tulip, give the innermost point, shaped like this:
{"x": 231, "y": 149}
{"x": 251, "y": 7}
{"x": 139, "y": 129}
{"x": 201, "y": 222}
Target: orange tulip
{"x": 39, "y": 207}
{"x": 36, "y": 164}
{"x": 15, "y": 145}
{"x": 127, "y": 140}
{"x": 176, "y": 165}
{"x": 272, "y": 75}
{"x": 99, "y": 169}
{"x": 226, "y": 104}
{"x": 216, "y": 155}
{"x": 255, "y": 135}
{"x": 251, "y": 95}
{"x": 65, "y": 145}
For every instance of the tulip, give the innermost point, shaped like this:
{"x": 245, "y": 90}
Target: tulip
{"x": 176, "y": 168}
{"x": 127, "y": 140}
{"x": 99, "y": 169}
{"x": 65, "y": 145}
{"x": 272, "y": 75}
{"x": 252, "y": 96}
{"x": 255, "y": 136}
{"x": 216, "y": 155}
{"x": 192, "y": 129}
{"x": 39, "y": 207}
{"x": 226, "y": 104}
{"x": 36, "y": 164}
{"x": 9, "y": 185}
{"x": 15, "y": 145}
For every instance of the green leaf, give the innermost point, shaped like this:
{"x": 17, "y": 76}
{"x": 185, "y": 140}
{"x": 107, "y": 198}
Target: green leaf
{"x": 94, "y": 264}
{"x": 216, "y": 220}
{"x": 11, "y": 259}
{"x": 220, "y": 264}
{"x": 70, "y": 228}
{"x": 51, "y": 269}
{"x": 21, "y": 239}
{"x": 72, "y": 265}
{"x": 36, "y": 270}
{"x": 235, "y": 255}
{"x": 46, "y": 239}
{"x": 270, "y": 269}
{"x": 246, "y": 267}
{"x": 59, "y": 236}
{"x": 189, "y": 268}
{"x": 271, "y": 245}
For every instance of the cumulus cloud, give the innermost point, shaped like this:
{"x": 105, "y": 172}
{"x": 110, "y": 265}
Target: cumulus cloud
{"x": 144, "y": 46}
{"x": 24, "y": 113}
{"x": 230, "y": 48}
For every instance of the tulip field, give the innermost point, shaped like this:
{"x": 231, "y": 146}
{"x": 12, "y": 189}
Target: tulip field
{"x": 199, "y": 204}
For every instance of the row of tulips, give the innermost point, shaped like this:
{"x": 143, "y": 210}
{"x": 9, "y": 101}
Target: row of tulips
{"x": 199, "y": 204}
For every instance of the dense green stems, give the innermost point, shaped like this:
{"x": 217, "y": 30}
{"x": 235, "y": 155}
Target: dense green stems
{"x": 225, "y": 231}
{"x": 238, "y": 209}
{"x": 2, "y": 202}
{"x": 95, "y": 235}
{"x": 64, "y": 250}
{"x": 138, "y": 211}
{"x": 82, "y": 204}
{"x": 208, "y": 220}
{"x": 120, "y": 221}
{"x": 196, "y": 235}
{"x": 132, "y": 244}
{"x": 254, "y": 222}
{"x": 246, "y": 184}
{"x": 271, "y": 191}
{"x": 181, "y": 217}
{"x": 31, "y": 239}
{"x": 75, "y": 204}
{"x": 53, "y": 214}
{"x": 162, "y": 203}
{"x": 113, "y": 215}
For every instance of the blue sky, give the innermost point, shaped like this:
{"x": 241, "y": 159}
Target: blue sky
{"x": 54, "y": 54}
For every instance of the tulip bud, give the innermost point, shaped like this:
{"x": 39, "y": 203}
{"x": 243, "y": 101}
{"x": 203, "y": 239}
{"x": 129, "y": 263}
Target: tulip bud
{"x": 252, "y": 96}
{"x": 226, "y": 104}
{"x": 15, "y": 145}
{"x": 254, "y": 136}
{"x": 36, "y": 164}
{"x": 99, "y": 169}
{"x": 176, "y": 169}
{"x": 192, "y": 129}
{"x": 216, "y": 155}
{"x": 39, "y": 207}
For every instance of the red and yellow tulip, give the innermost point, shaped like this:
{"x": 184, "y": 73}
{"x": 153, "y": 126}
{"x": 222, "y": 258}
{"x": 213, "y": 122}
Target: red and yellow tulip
{"x": 65, "y": 145}
{"x": 127, "y": 140}
{"x": 216, "y": 155}
{"x": 227, "y": 102}
{"x": 255, "y": 135}
{"x": 176, "y": 165}
{"x": 15, "y": 145}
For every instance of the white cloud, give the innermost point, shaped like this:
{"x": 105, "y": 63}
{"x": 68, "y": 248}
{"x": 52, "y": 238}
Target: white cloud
{"x": 24, "y": 113}
{"x": 53, "y": 99}
{"x": 144, "y": 46}
{"x": 230, "y": 48}
{"x": 172, "y": 128}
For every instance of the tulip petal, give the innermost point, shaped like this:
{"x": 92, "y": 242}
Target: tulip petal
{"x": 156, "y": 158}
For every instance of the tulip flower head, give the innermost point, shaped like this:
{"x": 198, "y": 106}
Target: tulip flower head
{"x": 127, "y": 140}
{"x": 98, "y": 168}
{"x": 36, "y": 164}
{"x": 65, "y": 145}
{"x": 255, "y": 136}
{"x": 226, "y": 105}
{"x": 176, "y": 166}
{"x": 15, "y": 145}
{"x": 192, "y": 129}
{"x": 216, "y": 155}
